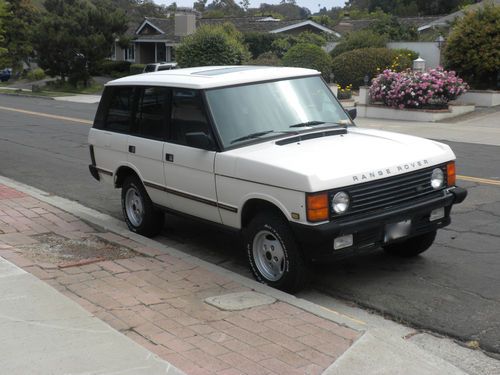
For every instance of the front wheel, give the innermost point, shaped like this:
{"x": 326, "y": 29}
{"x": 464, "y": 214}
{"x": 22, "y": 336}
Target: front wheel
{"x": 412, "y": 246}
{"x": 273, "y": 253}
{"x": 138, "y": 210}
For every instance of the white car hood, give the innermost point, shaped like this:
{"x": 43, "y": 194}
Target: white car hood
{"x": 333, "y": 161}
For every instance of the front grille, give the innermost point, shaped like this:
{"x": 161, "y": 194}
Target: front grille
{"x": 391, "y": 191}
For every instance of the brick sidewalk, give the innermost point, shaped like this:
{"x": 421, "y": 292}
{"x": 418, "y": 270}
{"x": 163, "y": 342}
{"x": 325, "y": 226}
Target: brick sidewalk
{"x": 158, "y": 300}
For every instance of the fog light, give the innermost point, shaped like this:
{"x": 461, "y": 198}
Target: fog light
{"x": 343, "y": 241}
{"x": 437, "y": 214}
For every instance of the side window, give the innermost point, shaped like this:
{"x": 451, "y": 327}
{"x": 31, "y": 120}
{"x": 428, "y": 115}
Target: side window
{"x": 152, "y": 112}
{"x": 120, "y": 107}
{"x": 188, "y": 116}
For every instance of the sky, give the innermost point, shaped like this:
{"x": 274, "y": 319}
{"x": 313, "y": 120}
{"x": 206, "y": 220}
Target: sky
{"x": 311, "y": 4}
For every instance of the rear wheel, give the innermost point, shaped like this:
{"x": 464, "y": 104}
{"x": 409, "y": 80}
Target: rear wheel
{"x": 273, "y": 253}
{"x": 412, "y": 246}
{"x": 138, "y": 210}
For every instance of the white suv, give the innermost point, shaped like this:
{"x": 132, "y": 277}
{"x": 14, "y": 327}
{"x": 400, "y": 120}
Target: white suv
{"x": 269, "y": 152}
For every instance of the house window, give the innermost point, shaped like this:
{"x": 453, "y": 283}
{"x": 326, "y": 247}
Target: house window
{"x": 129, "y": 53}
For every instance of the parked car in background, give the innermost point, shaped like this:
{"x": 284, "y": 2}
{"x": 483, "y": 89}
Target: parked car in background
{"x": 5, "y": 74}
{"x": 271, "y": 153}
{"x": 156, "y": 67}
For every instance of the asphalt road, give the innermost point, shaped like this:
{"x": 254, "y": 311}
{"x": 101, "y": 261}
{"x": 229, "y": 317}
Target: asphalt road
{"x": 454, "y": 288}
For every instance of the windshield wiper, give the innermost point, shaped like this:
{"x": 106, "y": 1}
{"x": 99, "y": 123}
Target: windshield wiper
{"x": 260, "y": 134}
{"x": 308, "y": 123}
{"x": 316, "y": 123}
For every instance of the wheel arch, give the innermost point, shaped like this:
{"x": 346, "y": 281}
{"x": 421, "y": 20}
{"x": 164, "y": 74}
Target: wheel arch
{"x": 122, "y": 173}
{"x": 255, "y": 205}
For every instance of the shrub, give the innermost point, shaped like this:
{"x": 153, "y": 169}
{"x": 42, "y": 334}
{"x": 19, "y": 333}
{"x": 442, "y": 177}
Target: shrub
{"x": 109, "y": 67}
{"x": 357, "y": 40}
{"x": 137, "y": 68}
{"x": 281, "y": 46}
{"x": 259, "y": 43}
{"x": 344, "y": 92}
{"x": 403, "y": 59}
{"x": 352, "y": 67}
{"x": 268, "y": 59}
{"x": 309, "y": 56}
{"x": 212, "y": 45}
{"x": 36, "y": 74}
{"x": 434, "y": 88}
{"x": 473, "y": 47}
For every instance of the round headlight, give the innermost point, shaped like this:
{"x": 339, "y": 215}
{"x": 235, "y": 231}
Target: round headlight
{"x": 437, "y": 178}
{"x": 340, "y": 202}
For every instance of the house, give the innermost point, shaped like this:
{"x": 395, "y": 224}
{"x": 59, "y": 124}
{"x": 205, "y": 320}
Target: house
{"x": 447, "y": 20}
{"x": 154, "y": 40}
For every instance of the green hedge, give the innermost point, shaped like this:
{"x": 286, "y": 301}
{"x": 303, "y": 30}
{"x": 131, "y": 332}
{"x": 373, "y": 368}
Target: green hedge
{"x": 266, "y": 59}
{"x": 36, "y": 74}
{"x": 109, "y": 67}
{"x": 306, "y": 55}
{"x": 137, "y": 68}
{"x": 352, "y": 67}
{"x": 357, "y": 40}
{"x": 259, "y": 43}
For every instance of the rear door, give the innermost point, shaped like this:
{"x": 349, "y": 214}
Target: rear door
{"x": 145, "y": 144}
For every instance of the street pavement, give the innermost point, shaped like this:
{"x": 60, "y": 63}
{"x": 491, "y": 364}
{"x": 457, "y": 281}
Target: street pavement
{"x": 184, "y": 313}
{"x": 451, "y": 289}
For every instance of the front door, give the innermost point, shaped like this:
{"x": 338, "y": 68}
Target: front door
{"x": 189, "y": 170}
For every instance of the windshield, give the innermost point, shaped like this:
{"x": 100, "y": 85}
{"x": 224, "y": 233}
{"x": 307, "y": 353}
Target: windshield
{"x": 265, "y": 109}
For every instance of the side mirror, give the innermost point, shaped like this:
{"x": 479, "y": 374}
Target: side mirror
{"x": 199, "y": 140}
{"x": 353, "y": 112}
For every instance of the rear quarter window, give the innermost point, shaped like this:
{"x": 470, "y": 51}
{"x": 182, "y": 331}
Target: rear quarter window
{"x": 115, "y": 109}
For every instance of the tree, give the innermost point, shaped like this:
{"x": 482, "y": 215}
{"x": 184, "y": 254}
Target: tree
{"x": 212, "y": 45}
{"x": 307, "y": 55}
{"x": 3, "y": 16}
{"x": 393, "y": 29}
{"x": 473, "y": 47}
{"x": 20, "y": 22}
{"x": 75, "y": 35}
{"x": 359, "y": 39}
{"x": 409, "y": 7}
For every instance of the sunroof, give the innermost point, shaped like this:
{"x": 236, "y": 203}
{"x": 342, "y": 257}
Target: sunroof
{"x": 232, "y": 69}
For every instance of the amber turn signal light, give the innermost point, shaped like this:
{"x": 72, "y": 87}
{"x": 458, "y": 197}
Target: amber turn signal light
{"x": 317, "y": 207}
{"x": 451, "y": 173}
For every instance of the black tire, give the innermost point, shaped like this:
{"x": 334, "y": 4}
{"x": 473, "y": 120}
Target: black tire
{"x": 152, "y": 219}
{"x": 412, "y": 246}
{"x": 290, "y": 270}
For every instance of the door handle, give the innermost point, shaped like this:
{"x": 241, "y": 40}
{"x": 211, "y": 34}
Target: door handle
{"x": 131, "y": 149}
{"x": 169, "y": 157}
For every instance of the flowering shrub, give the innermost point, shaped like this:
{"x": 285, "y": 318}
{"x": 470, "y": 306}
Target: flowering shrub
{"x": 344, "y": 93}
{"x": 408, "y": 89}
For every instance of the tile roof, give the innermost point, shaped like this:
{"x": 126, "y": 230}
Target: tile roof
{"x": 243, "y": 24}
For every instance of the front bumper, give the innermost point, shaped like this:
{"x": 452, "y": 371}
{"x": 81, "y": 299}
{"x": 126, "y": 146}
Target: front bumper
{"x": 368, "y": 230}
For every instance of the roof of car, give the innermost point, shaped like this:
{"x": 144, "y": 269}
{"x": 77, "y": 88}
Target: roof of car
{"x": 213, "y": 76}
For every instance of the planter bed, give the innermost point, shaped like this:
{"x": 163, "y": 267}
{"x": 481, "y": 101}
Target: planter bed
{"x": 424, "y": 115}
{"x": 481, "y": 98}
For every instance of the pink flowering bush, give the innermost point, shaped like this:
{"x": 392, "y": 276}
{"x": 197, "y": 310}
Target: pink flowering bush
{"x": 408, "y": 89}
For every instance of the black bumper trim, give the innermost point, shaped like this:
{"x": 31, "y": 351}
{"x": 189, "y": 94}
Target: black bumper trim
{"x": 94, "y": 172}
{"x": 317, "y": 240}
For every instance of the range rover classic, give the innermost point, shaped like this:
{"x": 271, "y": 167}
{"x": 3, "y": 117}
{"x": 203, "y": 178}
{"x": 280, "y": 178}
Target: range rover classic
{"x": 271, "y": 153}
